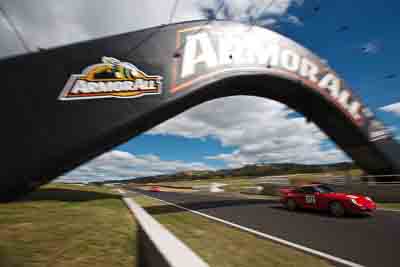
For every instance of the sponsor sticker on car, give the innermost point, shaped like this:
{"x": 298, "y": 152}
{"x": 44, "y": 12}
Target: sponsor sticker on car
{"x": 310, "y": 199}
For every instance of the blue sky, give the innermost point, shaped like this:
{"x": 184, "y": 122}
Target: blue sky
{"x": 373, "y": 22}
{"x": 358, "y": 39}
{"x": 174, "y": 147}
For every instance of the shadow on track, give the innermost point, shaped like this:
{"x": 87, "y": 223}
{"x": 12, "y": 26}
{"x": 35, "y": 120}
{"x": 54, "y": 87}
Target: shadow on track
{"x": 63, "y": 194}
{"x": 206, "y": 205}
{"x": 320, "y": 213}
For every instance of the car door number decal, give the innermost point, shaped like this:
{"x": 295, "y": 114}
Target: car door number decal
{"x": 310, "y": 199}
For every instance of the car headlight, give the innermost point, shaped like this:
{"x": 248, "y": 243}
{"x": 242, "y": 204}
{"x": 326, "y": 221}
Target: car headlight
{"x": 354, "y": 202}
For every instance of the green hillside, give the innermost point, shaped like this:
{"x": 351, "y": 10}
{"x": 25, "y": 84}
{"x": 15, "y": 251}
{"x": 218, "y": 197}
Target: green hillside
{"x": 249, "y": 171}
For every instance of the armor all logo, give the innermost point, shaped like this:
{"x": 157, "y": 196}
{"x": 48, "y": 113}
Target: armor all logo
{"x": 111, "y": 79}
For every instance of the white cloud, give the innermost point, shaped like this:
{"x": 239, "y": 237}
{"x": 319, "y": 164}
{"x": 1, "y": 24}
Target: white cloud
{"x": 295, "y": 20}
{"x": 325, "y": 61}
{"x": 393, "y": 108}
{"x": 372, "y": 47}
{"x": 263, "y": 12}
{"x": 117, "y": 165}
{"x": 258, "y": 129}
{"x": 49, "y": 23}
{"x": 9, "y": 42}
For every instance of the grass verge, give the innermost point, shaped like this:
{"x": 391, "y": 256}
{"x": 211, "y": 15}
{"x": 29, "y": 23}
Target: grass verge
{"x": 221, "y": 245}
{"x": 232, "y": 181}
{"x": 61, "y": 225}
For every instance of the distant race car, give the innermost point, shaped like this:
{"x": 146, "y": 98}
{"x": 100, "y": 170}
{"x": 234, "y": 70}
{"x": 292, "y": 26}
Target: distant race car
{"x": 322, "y": 197}
{"x": 155, "y": 189}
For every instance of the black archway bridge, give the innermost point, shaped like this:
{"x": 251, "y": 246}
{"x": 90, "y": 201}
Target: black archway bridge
{"x": 64, "y": 106}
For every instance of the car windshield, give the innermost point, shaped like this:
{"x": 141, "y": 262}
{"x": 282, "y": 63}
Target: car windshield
{"x": 324, "y": 189}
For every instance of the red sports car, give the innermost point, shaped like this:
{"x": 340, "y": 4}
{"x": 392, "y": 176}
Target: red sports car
{"x": 322, "y": 197}
{"x": 155, "y": 189}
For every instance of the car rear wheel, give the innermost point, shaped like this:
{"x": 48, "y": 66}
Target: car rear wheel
{"x": 291, "y": 204}
{"x": 337, "y": 209}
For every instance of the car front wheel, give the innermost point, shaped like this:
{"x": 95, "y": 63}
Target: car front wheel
{"x": 291, "y": 204}
{"x": 337, "y": 209}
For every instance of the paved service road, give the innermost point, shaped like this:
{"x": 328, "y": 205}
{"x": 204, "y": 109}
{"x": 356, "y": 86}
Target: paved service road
{"x": 369, "y": 241}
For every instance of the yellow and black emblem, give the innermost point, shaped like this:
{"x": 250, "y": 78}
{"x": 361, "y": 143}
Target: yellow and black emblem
{"x": 111, "y": 78}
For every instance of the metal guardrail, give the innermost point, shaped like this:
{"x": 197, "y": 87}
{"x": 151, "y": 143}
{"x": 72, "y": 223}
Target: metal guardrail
{"x": 337, "y": 180}
{"x": 364, "y": 185}
{"x": 156, "y": 245}
{"x": 364, "y": 180}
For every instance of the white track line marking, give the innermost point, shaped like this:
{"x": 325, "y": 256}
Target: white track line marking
{"x": 270, "y": 237}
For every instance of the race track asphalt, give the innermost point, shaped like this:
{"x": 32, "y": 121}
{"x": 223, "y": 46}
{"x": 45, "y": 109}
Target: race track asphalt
{"x": 366, "y": 240}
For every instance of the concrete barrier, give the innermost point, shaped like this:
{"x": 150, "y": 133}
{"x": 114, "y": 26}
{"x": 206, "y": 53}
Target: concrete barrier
{"x": 252, "y": 190}
{"x": 213, "y": 187}
{"x": 156, "y": 245}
